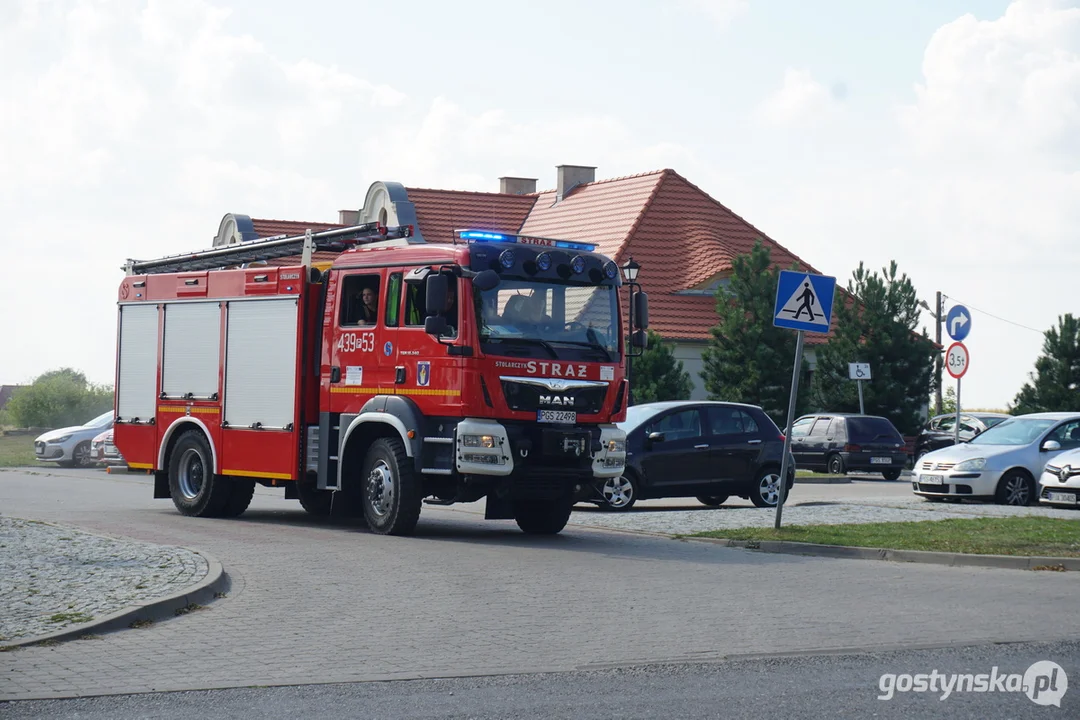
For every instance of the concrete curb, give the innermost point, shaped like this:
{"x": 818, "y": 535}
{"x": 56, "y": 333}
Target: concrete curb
{"x": 1010, "y": 562}
{"x": 203, "y": 592}
{"x": 822, "y": 481}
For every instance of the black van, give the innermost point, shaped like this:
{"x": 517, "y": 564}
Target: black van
{"x": 839, "y": 442}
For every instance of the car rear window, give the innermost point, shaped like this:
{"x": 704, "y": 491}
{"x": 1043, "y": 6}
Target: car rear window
{"x": 870, "y": 428}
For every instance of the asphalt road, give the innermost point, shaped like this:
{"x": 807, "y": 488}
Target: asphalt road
{"x": 324, "y": 602}
{"x": 824, "y": 686}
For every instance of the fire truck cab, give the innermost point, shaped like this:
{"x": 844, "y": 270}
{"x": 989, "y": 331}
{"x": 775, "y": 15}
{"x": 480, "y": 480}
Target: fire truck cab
{"x": 395, "y": 374}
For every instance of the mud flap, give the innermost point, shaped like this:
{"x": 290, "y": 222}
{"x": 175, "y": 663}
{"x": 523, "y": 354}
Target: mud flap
{"x": 498, "y": 507}
{"x": 161, "y": 485}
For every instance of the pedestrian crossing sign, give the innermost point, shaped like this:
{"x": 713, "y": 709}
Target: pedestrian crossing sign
{"x": 804, "y": 301}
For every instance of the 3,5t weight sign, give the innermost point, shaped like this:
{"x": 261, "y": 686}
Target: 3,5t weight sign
{"x": 956, "y": 360}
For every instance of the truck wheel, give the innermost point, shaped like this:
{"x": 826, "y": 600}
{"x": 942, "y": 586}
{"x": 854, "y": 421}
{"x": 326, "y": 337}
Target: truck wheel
{"x": 542, "y": 517}
{"x": 391, "y": 490}
{"x": 194, "y": 487}
{"x": 240, "y": 497}
{"x": 313, "y": 500}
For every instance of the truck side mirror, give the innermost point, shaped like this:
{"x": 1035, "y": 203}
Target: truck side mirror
{"x": 640, "y": 339}
{"x": 641, "y": 311}
{"x": 435, "y": 325}
{"x": 435, "y": 292}
{"x": 486, "y": 280}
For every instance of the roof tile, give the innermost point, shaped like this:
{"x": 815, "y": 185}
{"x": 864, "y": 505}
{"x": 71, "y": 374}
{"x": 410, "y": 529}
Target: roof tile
{"x": 440, "y": 212}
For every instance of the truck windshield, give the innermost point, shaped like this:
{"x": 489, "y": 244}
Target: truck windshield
{"x": 542, "y": 319}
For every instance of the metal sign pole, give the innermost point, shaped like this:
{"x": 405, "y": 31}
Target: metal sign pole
{"x": 787, "y": 430}
{"x": 862, "y": 408}
{"x": 956, "y": 430}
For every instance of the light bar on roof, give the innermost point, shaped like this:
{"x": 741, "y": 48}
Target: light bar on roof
{"x": 488, "y": 236}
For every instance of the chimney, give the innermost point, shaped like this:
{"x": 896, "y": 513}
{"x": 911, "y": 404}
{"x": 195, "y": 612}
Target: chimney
{"x": 570, "y": 176}
{"x": 517, "y": 186}
{"x": 348, "y": 217}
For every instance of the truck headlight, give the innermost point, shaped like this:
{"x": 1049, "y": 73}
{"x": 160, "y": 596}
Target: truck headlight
{"x": 616, "y": 446}
{"x": 478, "y": 441}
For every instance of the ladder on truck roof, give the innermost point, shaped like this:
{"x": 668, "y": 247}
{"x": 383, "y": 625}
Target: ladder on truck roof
{"x": 336, "y": 240}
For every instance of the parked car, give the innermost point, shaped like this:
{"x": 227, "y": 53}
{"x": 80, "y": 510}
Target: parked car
{"x": 707, "y": 450}
{"x": 1001, "y": 464}
{"x": 1060, "y": 481}
{"x": 104, "y": 452}
{"x": 840, "y": 442}
{"x": 940, "y": 431}
{"x": 70, "y": 446}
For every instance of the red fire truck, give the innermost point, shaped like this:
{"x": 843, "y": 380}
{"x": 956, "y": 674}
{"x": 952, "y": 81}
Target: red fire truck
{"x": 396, "y": 373}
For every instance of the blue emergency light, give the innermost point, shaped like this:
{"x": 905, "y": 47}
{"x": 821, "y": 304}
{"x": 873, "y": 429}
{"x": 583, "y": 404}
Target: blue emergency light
{"x": 488, "y": 236}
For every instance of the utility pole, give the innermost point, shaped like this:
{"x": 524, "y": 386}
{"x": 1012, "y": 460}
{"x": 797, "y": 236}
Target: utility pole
{"x": 938, "y": 360}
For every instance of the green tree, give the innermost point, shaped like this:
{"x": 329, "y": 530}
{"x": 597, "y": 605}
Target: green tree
{"x": 1055, "y": 384}
{"x": 876, "y": 324}
{"x": 58, "y": 398}
{"x": 948, "y": 401}
{"x": 657, "y": 375}
{"x": 749, "y": 359}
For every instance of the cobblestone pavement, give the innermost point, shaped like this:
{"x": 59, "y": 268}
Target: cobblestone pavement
{"x": 314, "y": 600}
{"x": 53, "y": 577}
{"x": 839, "y": 511}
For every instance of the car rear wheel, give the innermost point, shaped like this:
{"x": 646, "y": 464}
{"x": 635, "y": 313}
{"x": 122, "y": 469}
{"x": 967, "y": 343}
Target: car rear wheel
{"x": 836, "y": 465}
{"x": 620, "y": 493}
{"x": 712, "y": 500}
{"x": 1015, "y": 488}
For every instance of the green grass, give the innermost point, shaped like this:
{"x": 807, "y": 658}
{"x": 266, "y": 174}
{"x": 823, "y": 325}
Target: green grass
{"x": 17, "y": 450}
{"x": 1042, "y": 536}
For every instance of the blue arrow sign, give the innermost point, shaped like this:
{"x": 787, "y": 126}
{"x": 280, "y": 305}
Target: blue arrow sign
{"x": 958, "y": 323}
{"x": 804, "y": 301}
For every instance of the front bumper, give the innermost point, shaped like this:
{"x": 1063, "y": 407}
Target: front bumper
{"x": 945, "y": 483}
{"x": 1059, "y": 494}
{"x": 50, "y": 453}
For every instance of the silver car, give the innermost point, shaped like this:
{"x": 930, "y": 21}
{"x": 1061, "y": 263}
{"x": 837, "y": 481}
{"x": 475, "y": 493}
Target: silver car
{"x": 1060, "y": 481}
{"x": 1001, "y": 464}
{"x": 70, "y": 446}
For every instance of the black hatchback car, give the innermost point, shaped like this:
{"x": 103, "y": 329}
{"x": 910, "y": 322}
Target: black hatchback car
{"x": 940, "y": 431}
{"x": 839, "y": 442}
{"x": 707, "y": 450}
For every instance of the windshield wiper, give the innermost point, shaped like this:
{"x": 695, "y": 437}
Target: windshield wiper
{"x": 526, "y": 340}
{"x": 590, "y": 345}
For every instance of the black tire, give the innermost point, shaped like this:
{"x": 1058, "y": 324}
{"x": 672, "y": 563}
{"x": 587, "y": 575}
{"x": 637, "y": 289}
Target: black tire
{"x": 1016, "y": 487}
{"x": 835, "y": 465}
{"x": 243, "y": 489}
{"x": 80, "y": 456}
{"x": 766, "y": 490}
{"x": 391, "y": 492}
{"x": 619, "y": 493}
{"x": 195, "y": 489}
{"x": 893, "y": 474}
{"x": 712, "y": 500}
{"x": 315, "y": 501}
{"x": 542, "y": 517}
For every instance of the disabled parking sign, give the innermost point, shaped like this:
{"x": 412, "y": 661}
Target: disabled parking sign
{"x": 804, "y": 301}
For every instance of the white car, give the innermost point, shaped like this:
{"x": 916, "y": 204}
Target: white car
{"x": 1001, "y": 464}
{"x": 70, "y": 446}
{"x": 1060, "y": 481}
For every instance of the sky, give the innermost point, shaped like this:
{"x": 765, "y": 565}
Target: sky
{"x": 941, "y": 134}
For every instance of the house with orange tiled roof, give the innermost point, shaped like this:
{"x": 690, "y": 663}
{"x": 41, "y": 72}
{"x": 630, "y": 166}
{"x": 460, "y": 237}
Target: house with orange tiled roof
{"x": 684, "y": 240}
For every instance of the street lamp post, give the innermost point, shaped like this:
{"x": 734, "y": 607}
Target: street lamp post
{"x": 630, "y": 272}
{"x": 938, "y": 320}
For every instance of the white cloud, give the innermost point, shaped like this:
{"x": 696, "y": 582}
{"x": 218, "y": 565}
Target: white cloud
{"x": 721, "y": 12}
{"x": 800, "y": 101}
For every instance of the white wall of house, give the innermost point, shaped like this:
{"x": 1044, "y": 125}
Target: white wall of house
{"x": 689, "y": 354}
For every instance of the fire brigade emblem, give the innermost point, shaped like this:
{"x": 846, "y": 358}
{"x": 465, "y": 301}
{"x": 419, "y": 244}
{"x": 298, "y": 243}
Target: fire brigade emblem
{"x": 387, "y": 348}
{"x": 423, "y": 373}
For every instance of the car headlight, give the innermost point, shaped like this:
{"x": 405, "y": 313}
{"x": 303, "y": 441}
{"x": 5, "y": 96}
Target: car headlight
{"x": 616, "y": 446}
{"x": 970, "y": 465}
{"x": 478, "y": 441}
{"x": 62, "y": 438}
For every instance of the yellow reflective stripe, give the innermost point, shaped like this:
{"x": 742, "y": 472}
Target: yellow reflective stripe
{"x": 194, "y": 411}
{"x": 140, "y": 466}
{"x": 355, "y": 390}
{"x": 256, "y": 474}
